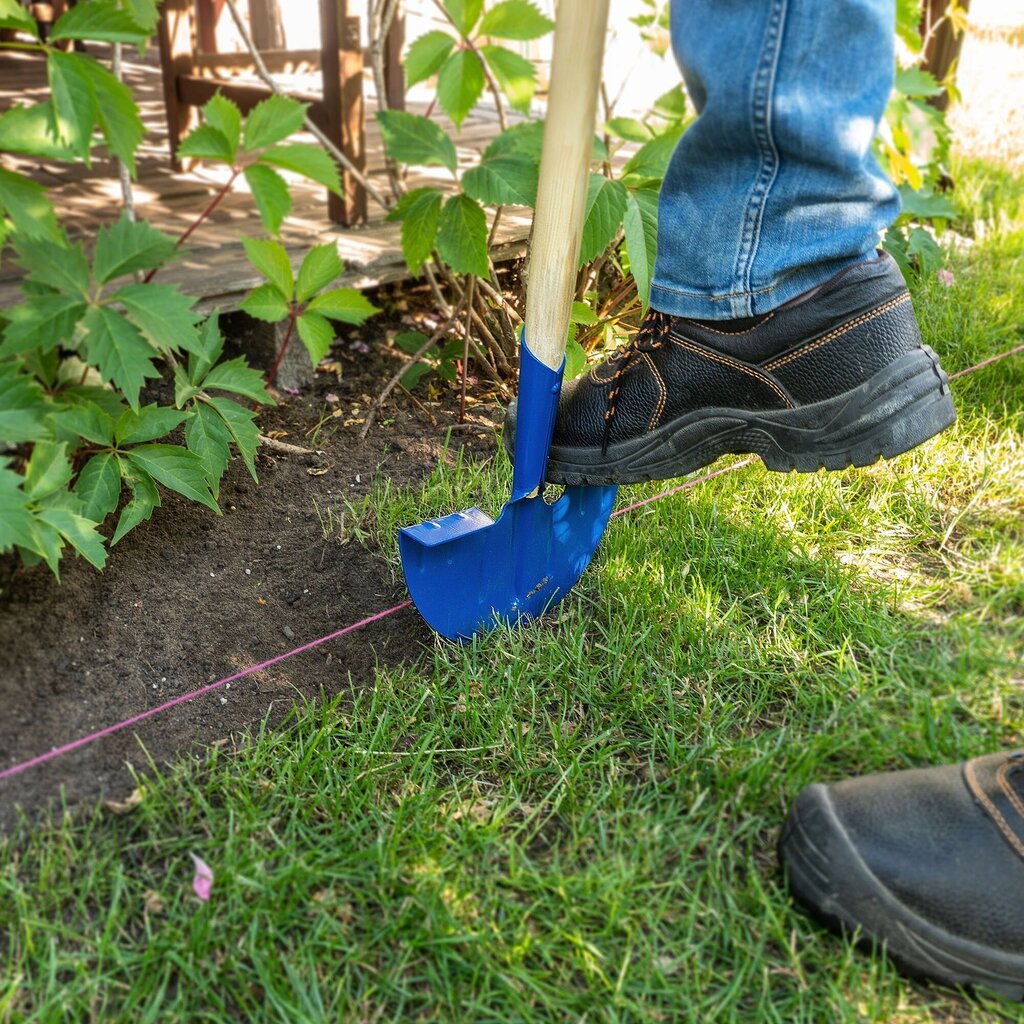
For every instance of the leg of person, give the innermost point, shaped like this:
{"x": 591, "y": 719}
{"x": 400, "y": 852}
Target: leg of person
{"x": 775, "y": 327}
{"x": 928, "y": 863}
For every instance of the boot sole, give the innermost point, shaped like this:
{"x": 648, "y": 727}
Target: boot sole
{"x": 828, "y": 876}
{"x": 896, "y": 410}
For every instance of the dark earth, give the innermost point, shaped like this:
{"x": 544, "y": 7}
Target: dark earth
{"x": 188, "y": 597}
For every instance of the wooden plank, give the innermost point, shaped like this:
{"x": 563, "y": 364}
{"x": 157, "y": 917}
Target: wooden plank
{"x": 175, "y": 32}
{"x": 394, "y": 73}
{"x": 341, "y": 65}
{"x": 276, "y": 61}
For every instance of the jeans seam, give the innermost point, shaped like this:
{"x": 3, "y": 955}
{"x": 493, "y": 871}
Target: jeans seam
{"x": 764, "y": 82}
{"x": 715, "y": 298}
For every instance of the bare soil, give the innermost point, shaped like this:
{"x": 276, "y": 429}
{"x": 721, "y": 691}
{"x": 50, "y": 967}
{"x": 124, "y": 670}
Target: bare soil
{"x": 188, "y": 598}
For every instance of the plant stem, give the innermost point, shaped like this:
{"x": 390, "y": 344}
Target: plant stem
{"x": 210, "y": 207}
{"x": 465, "y": 347}
{"x": 292, "y": 317}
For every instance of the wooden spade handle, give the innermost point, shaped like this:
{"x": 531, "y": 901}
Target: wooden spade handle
{"x": 564, "y": 173}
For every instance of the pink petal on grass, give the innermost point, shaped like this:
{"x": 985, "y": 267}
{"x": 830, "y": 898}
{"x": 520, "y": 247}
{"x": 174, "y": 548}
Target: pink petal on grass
{"x": 202, "y": 883}
{"x": 946, "y": 278}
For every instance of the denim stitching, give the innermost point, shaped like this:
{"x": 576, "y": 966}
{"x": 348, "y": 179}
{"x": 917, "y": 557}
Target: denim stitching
{"x": 714, "y": 298}
{"x": 764, "y": 82}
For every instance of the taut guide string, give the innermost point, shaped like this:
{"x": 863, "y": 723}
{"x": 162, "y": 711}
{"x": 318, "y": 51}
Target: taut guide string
{"x": 52, "y": 755}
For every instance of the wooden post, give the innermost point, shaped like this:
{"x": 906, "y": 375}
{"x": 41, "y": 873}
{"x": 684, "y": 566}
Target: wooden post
{"x": 341, "y": 65}
{"x": 265, "y": 24}
{"x": 176, "y": 32}
{"x": 207, "y": 17}
{"x": 943, "y": 47}
{"x": 394, "y": 74}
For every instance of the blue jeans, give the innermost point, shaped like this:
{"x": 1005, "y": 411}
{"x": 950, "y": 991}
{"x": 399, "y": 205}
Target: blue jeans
{"x": 774, "y": 187}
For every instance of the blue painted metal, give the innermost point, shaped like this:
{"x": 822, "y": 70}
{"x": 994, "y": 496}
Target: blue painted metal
{"x": 467, "y": 572}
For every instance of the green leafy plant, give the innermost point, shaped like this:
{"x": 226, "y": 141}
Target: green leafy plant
{"x": 81, "y": 439}
{"x": 303, "y": 300}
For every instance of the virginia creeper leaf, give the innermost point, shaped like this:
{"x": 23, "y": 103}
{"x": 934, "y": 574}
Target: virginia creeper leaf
{"x": 205, "y": 142}
{"x": 145, "y": 497}
{"x": 348, "y": 305}
{"x": 272, "y": 120}
{"x": 43, "y": 322}
{"x": 26, "y": 203}
{"x": 241, "y": 424}
{"x": 317, "y": 335}
{"x": 641, "y": 226}
{"x": 462, "y": 236}
{"x": 207, "y": 352}
{"x": 412, "y": 139}
{"x": 516, "y": 75}
{"x": 271, "y": 260}
{"x": 63, "y": 267}
{"x": 460, "y": 84}
{"x": 207, "y": 435}
{"x": 127, "y": 246}
{"x": 14, "y": 15}
{"x": 23, "y": 409}
{"x": 266, "y": 303}
{"x": 270, "y": 194}
{"x": 86, "y": 419}
{"x": 308, "y": 160}
{"x": 426, "y": 55}
{"x": 224, "y": 115}
{"x": 320, "y": 266}
{"x": 102, "y": 20}
{"x": 176, "y": 468}
{"x": 99, "y": 486}
{"x": 16, "y": 521}
{"x": 515, "y": 19}
{"x": 464, "y": 14}
{"x": 606, "y": 203}
{"x": 150, "y": 422}
{"x": 48, "y": 470}
{"x": 163, "y": 315}
{"x": 79, "y": 532}
{"x": 237, "y": 376}
{"x": 502, "y": 180}
{"x": 420, "y": 212}
{"x": 119, "y": 351}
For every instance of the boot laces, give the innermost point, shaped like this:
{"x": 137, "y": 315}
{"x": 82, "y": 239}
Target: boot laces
{"x": 652, "y": 335}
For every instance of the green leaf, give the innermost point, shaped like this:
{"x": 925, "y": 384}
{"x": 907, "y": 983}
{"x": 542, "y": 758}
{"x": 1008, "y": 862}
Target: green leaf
{"x": 74, "y": 101}
{"x": 651, "y": 159}
{"x": 582, "y": 314}
{"x": 207, "y": 435}
{"x": 241, "y": 424}
{"x": 26, "y": 203}
{"x": 163, "y": 315}
{"x": 205, "y": 142}
{"x": 149, "y": 422}
{"x": 527, "y": 138}
{"x": 629, "y": 128}
{"x": 270, "y": 194}
{"x": 606, "y": 203}
{"x": 460, "y": 84}
{"x": 79, "y": 532}
{"x": 908, "y": 23}
{"x": 317, "y": 335}
{"x": 641, "y": 224}
{"x": 63, "y": 267}
{"x": 426, "y": 55}
{"x": 671, "y": 105}
{"x": 176, "y": 468}
{"x": 127, "y": 246}
{"x": 42, "y": 323}
{"x": 207, "y": 352}
{"x": 271, "y": 260}
{"x": 266, "y": 303}
{"x": 102, "y": 20}
{"x": 308, "y": 160}
{"x": 464, "y": 14}
{"x": 917, "y": 203}
{"x": 925, "y": 250}
{"x": 86, "y": 419}
{"x": 116, "y": 110}
{"x": 98, "y": 486}
{"x": 503, "y": 180}
{"x": 348, "y": 305}
{"x": 419, "y": 210}
{"x": 412, "y": 139}
{"x": 29, "y": 130}
{"x": 575, "y": 359}
{"x": 48, "y": 470}
{"x": 119, "y": 351}
{"x": 915, "y": 81}
{"x": 272, "y": 120}
{"x": 17, "y": 524}
{"x": 237, "y": 376}
{"x": 14, "y": 15}
{"x": 145, "y": 14}
{"x": 415, "y": 373}
{"x": 516, "y": 76}
{"x": 320, "y": 266}
{"x": 224, "y": 115}
{"x": 411, "y": 342}
{"x": 23, "y": 408}
{"x": 462, "y": 236}
{"x": 144, "y": 499}
{"x": 515, "y": 19}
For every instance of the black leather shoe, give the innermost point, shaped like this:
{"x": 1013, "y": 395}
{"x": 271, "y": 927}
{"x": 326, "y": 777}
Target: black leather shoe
{"x": 836, "y": 377}
{"x": 928, "y": 862}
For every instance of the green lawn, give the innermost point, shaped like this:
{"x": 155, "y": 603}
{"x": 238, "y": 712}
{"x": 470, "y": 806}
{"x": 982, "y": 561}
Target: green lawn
{"x": 576, "y": 821}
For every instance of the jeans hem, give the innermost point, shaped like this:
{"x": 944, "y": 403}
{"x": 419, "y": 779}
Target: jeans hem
{"x": 696, "y": 305}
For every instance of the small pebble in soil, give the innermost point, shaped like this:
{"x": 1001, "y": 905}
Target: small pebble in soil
{"x": 289, "y": 635}
{"x": 248, "y": 572}
{"x": 223, "y": 700}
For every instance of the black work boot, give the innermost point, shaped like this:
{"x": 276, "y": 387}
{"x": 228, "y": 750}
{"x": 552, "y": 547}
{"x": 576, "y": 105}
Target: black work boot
{"x": 927, "y": 862}
{"x": 836, "y": 377}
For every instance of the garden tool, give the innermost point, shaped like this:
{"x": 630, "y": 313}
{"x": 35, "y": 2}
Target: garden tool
{"x": 464, "y": 571}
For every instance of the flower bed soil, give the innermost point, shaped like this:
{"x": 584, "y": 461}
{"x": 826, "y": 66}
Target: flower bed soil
{"x": 188, "y": 598}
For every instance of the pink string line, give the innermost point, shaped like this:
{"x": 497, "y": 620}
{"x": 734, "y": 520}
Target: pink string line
{"x": 143, "y": 715}
{"x": 82, "y": 741}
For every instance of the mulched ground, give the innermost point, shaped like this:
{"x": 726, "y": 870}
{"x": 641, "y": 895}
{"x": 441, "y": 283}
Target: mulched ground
{"x": 188, "y": 598}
